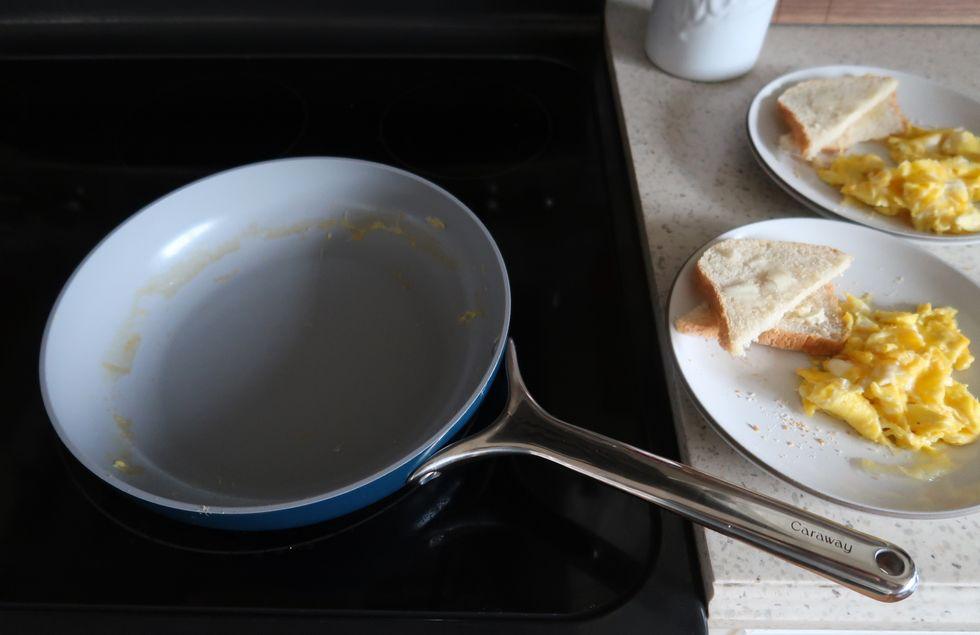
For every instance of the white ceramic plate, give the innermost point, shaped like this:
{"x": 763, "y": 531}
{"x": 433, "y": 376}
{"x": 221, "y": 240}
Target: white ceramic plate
{"x": 752, "y": 402}
{"x": 924, "y": 103}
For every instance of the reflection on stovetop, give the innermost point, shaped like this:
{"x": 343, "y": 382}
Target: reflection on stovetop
{"x": 83, "y": 144}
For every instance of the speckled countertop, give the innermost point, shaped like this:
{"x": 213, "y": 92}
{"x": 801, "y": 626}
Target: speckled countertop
{"x": 696, "y": 179}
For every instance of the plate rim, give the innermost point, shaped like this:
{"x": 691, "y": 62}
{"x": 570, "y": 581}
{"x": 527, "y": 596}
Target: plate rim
{"x": 751, "y": 126}
{"x": 745, "y": 452}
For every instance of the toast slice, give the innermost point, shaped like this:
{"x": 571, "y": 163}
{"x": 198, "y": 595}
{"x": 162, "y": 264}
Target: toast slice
{"x": 882, "y": 121}
{"x": 751, "y": 284}
{"x": 815, "y": 327}
{"x": 820, "y": 111}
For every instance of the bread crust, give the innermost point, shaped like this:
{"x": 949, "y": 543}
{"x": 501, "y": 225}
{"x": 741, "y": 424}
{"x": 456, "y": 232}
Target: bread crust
{"x": 796, "y": 128}
{"x": 810, "y": 344}
{"x": 698, "y": 321}
{"x": 713, "y": 295}
{"x": 893, "y": 104}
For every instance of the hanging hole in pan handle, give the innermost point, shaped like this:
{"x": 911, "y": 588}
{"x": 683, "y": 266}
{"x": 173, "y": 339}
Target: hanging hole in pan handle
{"x": 890, "y": 562}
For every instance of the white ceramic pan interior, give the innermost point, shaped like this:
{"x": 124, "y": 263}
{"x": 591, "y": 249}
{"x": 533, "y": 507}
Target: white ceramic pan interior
{"x": 274, "y": 333}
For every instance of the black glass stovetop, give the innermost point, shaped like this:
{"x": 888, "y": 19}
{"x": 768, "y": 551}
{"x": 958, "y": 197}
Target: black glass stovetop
{"x": 529, "y": 143}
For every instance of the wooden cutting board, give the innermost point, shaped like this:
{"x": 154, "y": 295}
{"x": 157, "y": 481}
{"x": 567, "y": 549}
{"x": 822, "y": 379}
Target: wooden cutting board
{"x": 963, "y": 12}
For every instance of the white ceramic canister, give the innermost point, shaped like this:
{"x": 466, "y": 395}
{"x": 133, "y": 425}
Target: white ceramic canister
{"x": 707, "y": 40}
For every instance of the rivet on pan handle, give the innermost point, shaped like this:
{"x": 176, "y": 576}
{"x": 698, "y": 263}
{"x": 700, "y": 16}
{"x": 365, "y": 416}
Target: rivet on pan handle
{"x": 869, "y": 565}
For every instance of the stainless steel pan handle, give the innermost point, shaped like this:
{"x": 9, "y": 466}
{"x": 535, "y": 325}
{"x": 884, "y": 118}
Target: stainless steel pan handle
{"x": 869, "y": 565}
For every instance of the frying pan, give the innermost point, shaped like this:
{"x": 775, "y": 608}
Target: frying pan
{"x": 290, "y": 341}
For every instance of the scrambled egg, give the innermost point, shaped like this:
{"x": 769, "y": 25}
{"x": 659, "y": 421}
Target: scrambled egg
{"x": 893, "y": 382}
{"x": 925, "y": 143}
{"x": 936, "y": 179}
